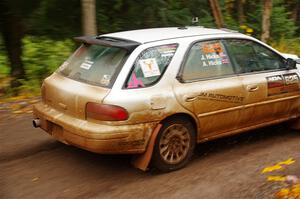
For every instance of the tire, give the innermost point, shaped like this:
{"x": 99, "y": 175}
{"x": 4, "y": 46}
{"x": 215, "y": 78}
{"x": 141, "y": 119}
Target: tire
{"x": 174, "y": 145}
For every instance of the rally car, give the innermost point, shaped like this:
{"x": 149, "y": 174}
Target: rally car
{"x": 157, "y": 92}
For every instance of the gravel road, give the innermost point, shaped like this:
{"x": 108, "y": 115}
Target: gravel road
{"x": 33, "y": 165}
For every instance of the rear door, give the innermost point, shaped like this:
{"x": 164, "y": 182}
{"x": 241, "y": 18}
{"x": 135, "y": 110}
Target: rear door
{"x": 210, "y": 89}
{"x": 271, "y": 91}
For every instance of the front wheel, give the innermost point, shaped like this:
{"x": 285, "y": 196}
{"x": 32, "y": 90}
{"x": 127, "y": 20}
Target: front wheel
{"x": 174, "y": 145}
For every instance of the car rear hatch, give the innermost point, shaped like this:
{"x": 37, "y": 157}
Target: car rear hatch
{"x": 87, "y": 76}
{"x": 70, "y": 96}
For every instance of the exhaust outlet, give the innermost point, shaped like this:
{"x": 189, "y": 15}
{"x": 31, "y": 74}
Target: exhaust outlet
{"x": 36, "y": 123}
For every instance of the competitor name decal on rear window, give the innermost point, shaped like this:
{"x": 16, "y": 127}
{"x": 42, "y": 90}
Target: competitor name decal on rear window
{"x": 279, "y": 84}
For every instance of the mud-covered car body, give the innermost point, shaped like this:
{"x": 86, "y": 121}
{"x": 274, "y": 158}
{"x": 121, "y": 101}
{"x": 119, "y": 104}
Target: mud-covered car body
{"x": 221, "y": 82}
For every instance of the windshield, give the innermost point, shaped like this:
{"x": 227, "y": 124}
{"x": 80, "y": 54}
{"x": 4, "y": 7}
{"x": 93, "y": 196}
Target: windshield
{"x": 94, "y": 64}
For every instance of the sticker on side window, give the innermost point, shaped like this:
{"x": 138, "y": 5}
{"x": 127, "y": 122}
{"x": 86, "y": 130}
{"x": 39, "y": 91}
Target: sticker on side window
{"x": 135, "y": 82}
{"x": 167, "y": 50}
{"x": 149, "y": 67}
{"x": 279, "y": 84}
{"x": 213, "y": 54}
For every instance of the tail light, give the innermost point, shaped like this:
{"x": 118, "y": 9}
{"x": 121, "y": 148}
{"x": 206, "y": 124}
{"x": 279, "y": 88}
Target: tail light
{"x": 105, "y": 112}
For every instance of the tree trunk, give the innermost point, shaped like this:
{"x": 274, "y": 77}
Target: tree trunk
{"x": 12, "y": 32}
{"x": 295, "y": 12}
{"x": 267, "y": 11}
{"x": 241, "y": 13}
{"x": 215, "y": 7}
{"x": 89, "y": 17}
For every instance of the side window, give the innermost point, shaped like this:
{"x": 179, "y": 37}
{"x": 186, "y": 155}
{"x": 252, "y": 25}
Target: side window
{"x": 150, "y": 66}
{"x": 267, "y": 58}
{"x": 206, "y": 60}
{"x": 249, "y": 56}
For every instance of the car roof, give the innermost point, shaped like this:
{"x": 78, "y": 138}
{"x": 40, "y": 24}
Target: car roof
{"x": 158, "y": 34}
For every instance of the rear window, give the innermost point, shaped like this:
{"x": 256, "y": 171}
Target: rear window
{"x": 94, "y": 64}
{"x": 150, "y": 66}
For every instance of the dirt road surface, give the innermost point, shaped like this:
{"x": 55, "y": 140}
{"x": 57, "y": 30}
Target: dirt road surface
{"x": 33, "y": 165}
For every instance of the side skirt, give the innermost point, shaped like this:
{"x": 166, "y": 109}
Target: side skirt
{"x": 237, "y": 131}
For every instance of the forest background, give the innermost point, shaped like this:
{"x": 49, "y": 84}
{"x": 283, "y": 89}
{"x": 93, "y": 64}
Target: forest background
{"x": 36, "y": 35}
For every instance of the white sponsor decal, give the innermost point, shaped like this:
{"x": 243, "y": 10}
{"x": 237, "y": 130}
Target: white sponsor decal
{"x": 149, "y": 67}
{"x": 275, "y": 78}
{"x": 291, "y": 79}
{"x": 86, "y": 64}
{"x": 105, "y": 80}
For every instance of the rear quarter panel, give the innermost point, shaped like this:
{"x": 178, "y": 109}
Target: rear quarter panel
{"x": 153, "y": 103}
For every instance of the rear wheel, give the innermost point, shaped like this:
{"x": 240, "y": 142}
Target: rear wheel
{"x": 174, "y": 145}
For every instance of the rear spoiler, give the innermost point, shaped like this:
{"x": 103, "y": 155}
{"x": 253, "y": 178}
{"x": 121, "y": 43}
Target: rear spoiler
{"x": 108, "y": 41}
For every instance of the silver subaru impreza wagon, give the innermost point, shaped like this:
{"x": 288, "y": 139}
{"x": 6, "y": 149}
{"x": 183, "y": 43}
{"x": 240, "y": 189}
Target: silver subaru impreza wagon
{"x": 155, "y": 93}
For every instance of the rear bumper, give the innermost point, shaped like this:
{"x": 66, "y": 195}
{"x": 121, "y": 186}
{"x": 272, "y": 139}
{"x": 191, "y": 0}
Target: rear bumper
{"x": 91, "y": 136}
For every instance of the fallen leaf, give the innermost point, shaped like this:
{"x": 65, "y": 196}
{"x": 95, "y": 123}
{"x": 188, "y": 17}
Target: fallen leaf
{"x": 278, "y": 166}
{"x": 282, "y": 194}
{"x": 295, "y": 191}
{"x": 271, "y": 168}
{"x": 276, "y": 178}
{"x": 287, "y": 162}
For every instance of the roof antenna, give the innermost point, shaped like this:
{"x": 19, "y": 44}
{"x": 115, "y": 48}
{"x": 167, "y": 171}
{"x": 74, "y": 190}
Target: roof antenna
{"x": 195, "y": 20}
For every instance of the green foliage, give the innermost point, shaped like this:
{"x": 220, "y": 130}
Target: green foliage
{"x": 201, "y": 9}
{"x": 41, "y": 55}
{"x": 118, "y": 15}
{"x": 57, "y": 19}
{"x": 230, "y": 17}
{"x": 4, "y": 69}
{"x": 54, "y": 19}
{"x": 174, "y": 14}
{"x": 281, "y": 25}
{"x": 291, "y": 46}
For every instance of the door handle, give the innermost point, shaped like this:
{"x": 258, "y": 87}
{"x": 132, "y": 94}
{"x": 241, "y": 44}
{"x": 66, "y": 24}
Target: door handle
{"x": 63, "y": 106}
{"x": 190, "y": 98}
{"x": 252, "y": 88}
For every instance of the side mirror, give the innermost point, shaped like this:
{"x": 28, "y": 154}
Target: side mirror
{"x": 290, "y": 64}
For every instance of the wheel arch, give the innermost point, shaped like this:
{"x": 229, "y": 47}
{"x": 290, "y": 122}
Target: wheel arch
{"x": 184, "y": 116}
